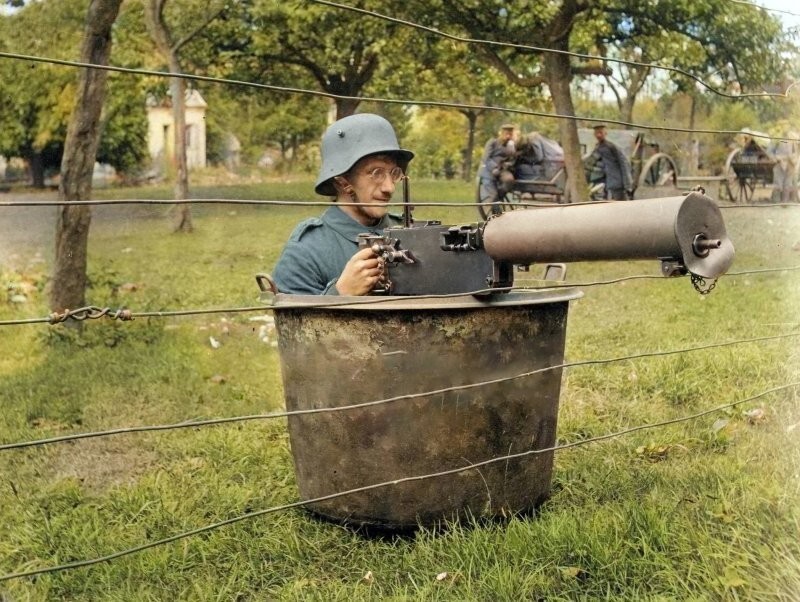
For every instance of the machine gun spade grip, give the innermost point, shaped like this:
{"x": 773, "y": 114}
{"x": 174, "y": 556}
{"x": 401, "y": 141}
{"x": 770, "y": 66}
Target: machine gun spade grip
{"x": 688, "y": 230}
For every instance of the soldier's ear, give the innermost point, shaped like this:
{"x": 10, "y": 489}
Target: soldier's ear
{"x": 341, "y": 184}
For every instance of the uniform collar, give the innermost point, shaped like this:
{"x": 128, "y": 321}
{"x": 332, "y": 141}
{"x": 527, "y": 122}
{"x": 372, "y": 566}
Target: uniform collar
{"x": 346, "y": 226}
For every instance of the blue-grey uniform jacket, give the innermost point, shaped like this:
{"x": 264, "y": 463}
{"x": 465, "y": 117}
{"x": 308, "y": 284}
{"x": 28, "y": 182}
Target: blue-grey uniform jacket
{"x": 495, "y": 154}
{"x": 319, "y": 248}
{"x": 614, "y": 164}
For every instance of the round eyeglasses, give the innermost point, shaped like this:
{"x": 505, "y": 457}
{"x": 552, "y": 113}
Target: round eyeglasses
{"x": 378, "y": 175}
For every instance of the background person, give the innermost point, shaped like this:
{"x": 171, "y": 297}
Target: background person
{"x": 609, "y": 165}
{"x": 784, "y": 173}
{"x": 495, "y": 175}
{"x": 361, "y": 163}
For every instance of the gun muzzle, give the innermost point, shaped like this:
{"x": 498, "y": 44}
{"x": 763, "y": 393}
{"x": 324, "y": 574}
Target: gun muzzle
{"x": 687, "y": 229}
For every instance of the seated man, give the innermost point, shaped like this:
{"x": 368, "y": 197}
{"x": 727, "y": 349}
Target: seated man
{"x": 495, "y": 174}
{"x": 538, "y": 157}
{"x": 361, "y": 164}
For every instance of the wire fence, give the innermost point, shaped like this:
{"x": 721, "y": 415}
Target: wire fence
{"x": 389, "y": 400}
{"x": 124, "y": 314}
{"x": 391, "y": 483}
{"x": 379, "y": 100}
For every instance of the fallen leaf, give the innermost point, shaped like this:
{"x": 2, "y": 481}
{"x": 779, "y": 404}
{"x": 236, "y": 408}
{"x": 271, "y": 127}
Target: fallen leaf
{"x": 215, "y": 344}
{"x": 218, "y": 379}
{"x": 442, "y": 576}
{"x": 719, "y": 425}
{"x": 368, "y": 578}
{"x": 755, "y": 415}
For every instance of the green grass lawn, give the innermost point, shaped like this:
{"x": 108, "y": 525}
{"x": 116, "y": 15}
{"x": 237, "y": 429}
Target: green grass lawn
{"x": 705, "y": 510}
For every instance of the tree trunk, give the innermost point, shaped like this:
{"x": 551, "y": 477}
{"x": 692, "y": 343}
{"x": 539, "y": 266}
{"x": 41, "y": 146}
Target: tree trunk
{"x": 154, "y": 13}
{"x": 36, "y": 165}
{"x": 68, "y": 286}
{"x": 559, "y": 74}
{"x": 466, "y": 166}
{"x": 183, "y": 213}
{"x": 346, "y": 107}
{"x": 626, "y": 108}
{"x": 693, "y": 143}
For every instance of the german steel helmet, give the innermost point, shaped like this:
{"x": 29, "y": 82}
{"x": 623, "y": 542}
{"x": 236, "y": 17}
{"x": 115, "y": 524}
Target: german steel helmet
{"x": 353, "y": 138}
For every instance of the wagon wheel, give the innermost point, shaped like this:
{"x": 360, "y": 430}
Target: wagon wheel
{"x": 658, "y": 171}
{"x": 505, "y": 202}
{"x": 740, "y": 188}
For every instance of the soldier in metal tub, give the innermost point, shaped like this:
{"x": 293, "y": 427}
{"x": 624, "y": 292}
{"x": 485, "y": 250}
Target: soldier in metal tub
{"x": 361, "y": 163}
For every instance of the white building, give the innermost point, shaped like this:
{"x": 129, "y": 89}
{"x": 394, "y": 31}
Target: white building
{"x": 160, "y": 134}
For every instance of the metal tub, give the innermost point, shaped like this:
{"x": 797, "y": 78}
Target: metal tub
{"x": 376, "y": 348}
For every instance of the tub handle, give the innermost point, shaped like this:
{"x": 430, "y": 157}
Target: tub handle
{"x": 266, "y": 284}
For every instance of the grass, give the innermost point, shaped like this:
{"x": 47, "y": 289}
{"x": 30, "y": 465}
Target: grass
{"x": 705, "y": 510}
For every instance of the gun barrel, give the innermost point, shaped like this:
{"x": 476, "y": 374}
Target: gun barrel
{"x": 688, "y": 229}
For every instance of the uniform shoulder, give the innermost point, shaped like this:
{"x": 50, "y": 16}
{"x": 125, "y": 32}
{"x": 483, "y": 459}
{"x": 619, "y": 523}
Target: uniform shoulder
{"x": 304, "y": 227}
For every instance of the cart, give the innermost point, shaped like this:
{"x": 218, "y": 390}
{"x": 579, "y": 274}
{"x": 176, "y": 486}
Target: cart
{"x": 751, "y": 165}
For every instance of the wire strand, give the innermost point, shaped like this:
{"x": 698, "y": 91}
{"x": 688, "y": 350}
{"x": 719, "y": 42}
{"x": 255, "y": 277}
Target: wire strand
{"x": 93, "y": 312}
{"x": 278, "y": 203}
{"x": 384, "y": 484}
{"x": 484, "y": 42}
{"x": 396, "y": 101}
{"x": 388, "y": 400}
{"x": 766, "y": 8}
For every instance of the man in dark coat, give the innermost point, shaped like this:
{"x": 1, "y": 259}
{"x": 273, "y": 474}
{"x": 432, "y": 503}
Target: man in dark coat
{"x": 608, "y": 164}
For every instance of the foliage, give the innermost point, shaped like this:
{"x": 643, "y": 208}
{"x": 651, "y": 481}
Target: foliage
{"x": 37, "y": 98}
{"x": 315, "y": 45}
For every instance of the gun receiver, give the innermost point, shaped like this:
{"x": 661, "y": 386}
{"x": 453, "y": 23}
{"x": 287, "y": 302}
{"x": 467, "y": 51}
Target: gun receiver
{"x": 687, "y": 234}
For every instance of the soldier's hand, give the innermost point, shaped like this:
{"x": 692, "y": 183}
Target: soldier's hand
{"x": 360, "y": 274}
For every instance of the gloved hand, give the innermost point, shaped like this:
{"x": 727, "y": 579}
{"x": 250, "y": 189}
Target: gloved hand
{"x": 496, "y": 172}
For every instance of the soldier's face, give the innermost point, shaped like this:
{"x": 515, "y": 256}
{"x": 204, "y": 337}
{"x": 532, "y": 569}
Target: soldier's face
{"x": 373, "y": 181}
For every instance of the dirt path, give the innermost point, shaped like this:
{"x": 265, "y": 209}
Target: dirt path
{"x": 26, "y": 232}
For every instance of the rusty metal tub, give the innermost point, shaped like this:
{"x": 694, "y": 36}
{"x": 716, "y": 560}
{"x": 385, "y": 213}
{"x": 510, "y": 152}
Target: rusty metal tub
{"x": 366, "y": 349}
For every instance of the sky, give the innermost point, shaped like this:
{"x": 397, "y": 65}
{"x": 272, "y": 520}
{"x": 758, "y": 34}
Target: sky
{"x": 791, "y": 6}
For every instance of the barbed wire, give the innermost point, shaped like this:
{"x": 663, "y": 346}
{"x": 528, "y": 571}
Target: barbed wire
{"x": 378, "y": 100}
{"x": 387, "y": 400}
{"x": 393, "y": 482}
{"x": 527, "y": 47}
{"x": 126, "y": 315}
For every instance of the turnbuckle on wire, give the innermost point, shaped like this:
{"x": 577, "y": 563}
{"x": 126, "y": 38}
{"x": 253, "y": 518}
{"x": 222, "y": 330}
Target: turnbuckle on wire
{"x": 91, "y": 312}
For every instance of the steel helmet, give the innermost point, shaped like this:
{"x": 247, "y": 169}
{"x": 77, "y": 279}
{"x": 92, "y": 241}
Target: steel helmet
{"x": 353, "y": 138}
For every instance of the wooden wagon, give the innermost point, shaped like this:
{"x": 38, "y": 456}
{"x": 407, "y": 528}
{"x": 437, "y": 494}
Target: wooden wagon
{"x": 751, "y": 165}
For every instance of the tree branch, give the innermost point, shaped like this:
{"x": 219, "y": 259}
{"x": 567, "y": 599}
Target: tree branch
{"x": 190, "y": 36}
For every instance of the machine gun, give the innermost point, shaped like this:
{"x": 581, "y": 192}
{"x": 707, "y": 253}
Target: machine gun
{"x": 686, "y": 233}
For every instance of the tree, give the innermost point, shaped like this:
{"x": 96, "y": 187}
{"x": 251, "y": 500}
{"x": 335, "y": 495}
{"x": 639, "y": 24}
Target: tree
{"x": 734, "y": 47}
{"x": 170, "y": 44}
{"x": 68, "y": 287}
{"x": 36, "y": 99}
{"x": 551, "y": 25}
{"x": 339, "y": 52}
{"x": 469, "y": 81}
